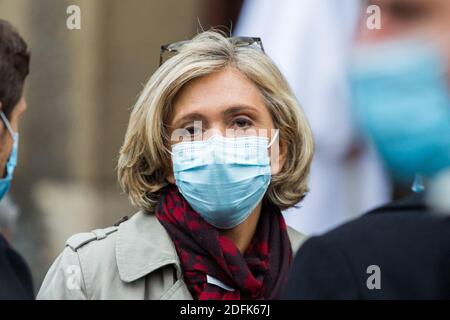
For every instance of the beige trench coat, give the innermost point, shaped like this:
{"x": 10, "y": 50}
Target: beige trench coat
{"x": 135, "y": 260}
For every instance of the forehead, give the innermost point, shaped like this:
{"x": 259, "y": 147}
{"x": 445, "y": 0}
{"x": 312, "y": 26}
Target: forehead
{"x": 225, "y": 88}
{"x": 227, "y": 83}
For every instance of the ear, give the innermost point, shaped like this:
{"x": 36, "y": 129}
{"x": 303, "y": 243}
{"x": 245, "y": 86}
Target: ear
{"x": 171, "y": 178}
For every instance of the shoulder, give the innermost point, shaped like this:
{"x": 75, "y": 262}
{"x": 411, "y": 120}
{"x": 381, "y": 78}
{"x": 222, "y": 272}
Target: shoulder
{"x": 406, "y": 222}
{"x": 406, "y": 240}
{"x": 94, "y": 247}
{"x": 321, "y": 271}
{"x": 94, "y": 238}
{"x": 15, "y": 276}
{"x": 102, "y": 242}
{"x": 400, "y": 231}
{"x": 91, "y": 258}
{"x": 68, "y": 276}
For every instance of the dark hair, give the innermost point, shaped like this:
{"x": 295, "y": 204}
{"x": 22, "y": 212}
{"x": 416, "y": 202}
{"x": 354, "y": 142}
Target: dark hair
{"x": 14, "y": 66}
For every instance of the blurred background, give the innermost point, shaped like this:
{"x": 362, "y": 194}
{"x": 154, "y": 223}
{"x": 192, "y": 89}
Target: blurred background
{"x": 82, "y": 84}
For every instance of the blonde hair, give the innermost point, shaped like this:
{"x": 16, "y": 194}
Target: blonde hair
{"x": 144, "y": 162}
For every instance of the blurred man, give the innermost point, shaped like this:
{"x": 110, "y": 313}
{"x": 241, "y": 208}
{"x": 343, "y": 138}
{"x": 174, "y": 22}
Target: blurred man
{"x": 15, "y": 279}
{"x": 400, "y": 79}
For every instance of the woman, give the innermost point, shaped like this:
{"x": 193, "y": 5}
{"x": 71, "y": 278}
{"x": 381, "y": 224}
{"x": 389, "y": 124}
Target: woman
{"x": 196, "y": 162}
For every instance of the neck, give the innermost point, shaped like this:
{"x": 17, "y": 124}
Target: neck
{"x": 243, "y": 233}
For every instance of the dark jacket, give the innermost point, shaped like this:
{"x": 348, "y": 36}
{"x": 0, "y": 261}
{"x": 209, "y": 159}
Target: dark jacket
{"x": 15, "y": 278}
{"x": 407, "y": 241}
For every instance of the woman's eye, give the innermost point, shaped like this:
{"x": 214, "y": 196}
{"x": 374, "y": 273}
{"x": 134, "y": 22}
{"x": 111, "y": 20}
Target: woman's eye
{"x": 193, "y": 131}
{"x": 242, "y": 123}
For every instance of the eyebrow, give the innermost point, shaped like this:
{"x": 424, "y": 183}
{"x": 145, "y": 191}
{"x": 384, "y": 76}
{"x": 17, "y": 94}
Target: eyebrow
{"x": 188, "y": 118}
{"x": 228, "y": 112}
{"x": 240, "y": 109}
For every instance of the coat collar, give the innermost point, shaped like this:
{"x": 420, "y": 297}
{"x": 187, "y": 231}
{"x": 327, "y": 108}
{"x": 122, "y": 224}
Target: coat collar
{"x": 143, "y": 246}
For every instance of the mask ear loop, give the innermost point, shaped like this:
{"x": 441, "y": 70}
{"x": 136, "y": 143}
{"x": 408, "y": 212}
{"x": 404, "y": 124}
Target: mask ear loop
{"x": 8, "y": 125}
{"x": 275, "y": 136}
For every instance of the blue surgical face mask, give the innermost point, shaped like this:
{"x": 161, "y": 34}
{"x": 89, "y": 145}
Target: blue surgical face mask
{"x": 5, "y": 183}
{"x": 402, "y": 102}
{"x": 223, "y": 179}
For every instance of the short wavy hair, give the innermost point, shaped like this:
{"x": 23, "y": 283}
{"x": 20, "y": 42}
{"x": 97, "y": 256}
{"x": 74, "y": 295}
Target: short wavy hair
{"x": 145, "y": 162}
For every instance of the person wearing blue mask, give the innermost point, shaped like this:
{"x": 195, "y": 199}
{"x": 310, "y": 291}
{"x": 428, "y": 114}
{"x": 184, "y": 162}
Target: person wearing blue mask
{"x": 15, "y": 278}
{"x": 14, "y": 68}
{"x": 401, "y": 93}
{"x": 216, "y": 147}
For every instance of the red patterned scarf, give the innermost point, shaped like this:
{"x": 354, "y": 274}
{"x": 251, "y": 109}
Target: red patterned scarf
{"x": 259, "y": 273}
